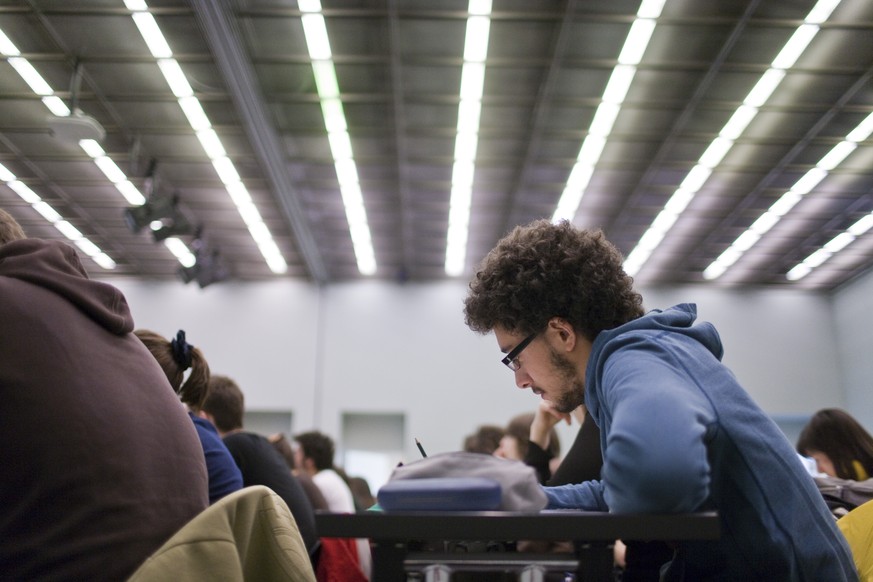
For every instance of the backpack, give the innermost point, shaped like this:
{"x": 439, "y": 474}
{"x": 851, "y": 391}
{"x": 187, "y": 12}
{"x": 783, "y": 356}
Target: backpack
{"x": 519, "y": 487}
{"x": 844, "y": 495}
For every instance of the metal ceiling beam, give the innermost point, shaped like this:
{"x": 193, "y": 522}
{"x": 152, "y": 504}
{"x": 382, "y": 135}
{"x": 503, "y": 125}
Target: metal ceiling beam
{"x": 407, "y": 235}
{"x": 545, "y": 95}
{"x": 622, "y": 216}
{"x": 226, "y": 44}
{"x": 734, "y": 216}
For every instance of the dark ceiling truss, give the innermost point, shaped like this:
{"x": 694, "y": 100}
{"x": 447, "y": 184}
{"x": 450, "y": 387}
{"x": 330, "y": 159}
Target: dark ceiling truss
{"x": 226, "y": 44}
{"x": 406, "y": 232}
{"x": 398, "y": 65}
{"x": 738, "y": 219}
{"x": 545, "y": 96}
{"x": 620, "y": 219}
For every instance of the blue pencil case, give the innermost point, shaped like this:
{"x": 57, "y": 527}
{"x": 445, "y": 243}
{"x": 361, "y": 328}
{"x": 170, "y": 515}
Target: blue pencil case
{"x": 440, "y": 494}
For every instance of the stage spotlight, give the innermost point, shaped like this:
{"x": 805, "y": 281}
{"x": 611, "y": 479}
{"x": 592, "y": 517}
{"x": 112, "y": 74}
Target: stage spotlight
{"x": 176, "y": 225}
{"x": 163, "y": 215}
{"x": 208, "y": 269}
{"x": 154, "y": 209}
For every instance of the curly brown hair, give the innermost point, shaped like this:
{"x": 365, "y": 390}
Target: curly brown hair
{"x": 544, "y": 270}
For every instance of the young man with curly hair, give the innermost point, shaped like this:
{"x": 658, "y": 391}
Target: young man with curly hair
{"x": 678, "y": 432}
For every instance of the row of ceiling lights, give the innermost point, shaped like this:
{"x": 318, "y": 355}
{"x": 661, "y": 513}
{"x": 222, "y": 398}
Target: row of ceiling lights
{"x": 318, "y": 45}
{"x": 472, "y": 79}
{"x": 57, "y": 107}
{"x": 722, "y": 144}
{"x": 209, "y": 140}
{"x": 200, "y": 123}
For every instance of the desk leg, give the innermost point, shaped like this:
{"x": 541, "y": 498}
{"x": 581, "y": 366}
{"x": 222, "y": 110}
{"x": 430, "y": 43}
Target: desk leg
{"x": 388, "y": 558}
{"x": 595, "y": 561}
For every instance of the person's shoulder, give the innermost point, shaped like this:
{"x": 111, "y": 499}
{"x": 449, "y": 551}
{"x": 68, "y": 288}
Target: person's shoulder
{"x": 203, "y": 425}
{"x": 330, "y": 478}
{"x": 209, "y": 437}
{"x": 242, "y": 440}
{"x": 326, "y": 477}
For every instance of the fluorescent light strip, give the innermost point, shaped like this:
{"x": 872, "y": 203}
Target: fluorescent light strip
{"x": 831, "y": 248}
{"x": 32, "y": 77}
{"x": 180, "y": 251}
{"x": 113, "y": 172}
{"x": 789, "y": 199}
{"x": 735, "y": 126}
{"x": 39, "y": 86}
{"x": 52, "y": 216}
{"x": 132, "y": 195}
{"x": 604, "y": 118}
{"x": 467, "y": 136}
{"x": 215, "y": 151}
{"x": 109, "y": 168}
{"x": 318, "y": 45}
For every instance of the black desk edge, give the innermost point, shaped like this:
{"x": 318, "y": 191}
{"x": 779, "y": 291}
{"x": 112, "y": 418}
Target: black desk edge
{"x": 546, "y": 525}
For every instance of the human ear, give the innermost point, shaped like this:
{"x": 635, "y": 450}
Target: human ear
{"x": 564, "y": 332}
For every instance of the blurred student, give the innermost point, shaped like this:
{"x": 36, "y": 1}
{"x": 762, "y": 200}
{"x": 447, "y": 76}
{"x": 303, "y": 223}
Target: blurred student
{"x": 362, "y": 493}
{"x": 839, "y": 445}
{"x": 515, "y": 444}
{"x": 314, "y": 455}
{"x": 258, "y": 461}
{"x": 581, "y": 463}
{"x": 485, "y": 440}
{"x": 283, "y": 445}
{"x": 100, "y": 464}
{"x": 175, "y": 358}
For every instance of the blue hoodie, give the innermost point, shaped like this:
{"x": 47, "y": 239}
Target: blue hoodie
{"x": 680, "y": 434}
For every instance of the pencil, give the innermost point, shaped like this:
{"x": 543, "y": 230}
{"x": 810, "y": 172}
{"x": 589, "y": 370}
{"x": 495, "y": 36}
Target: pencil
{"x": 420, "y": 448}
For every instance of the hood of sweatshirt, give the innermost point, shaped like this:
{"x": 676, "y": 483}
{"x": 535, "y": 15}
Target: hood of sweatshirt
{"x": 55, "y": 266}
{"x": 678, "y": 319}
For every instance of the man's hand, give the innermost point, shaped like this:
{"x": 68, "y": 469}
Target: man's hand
{"x": 545, "y": 418}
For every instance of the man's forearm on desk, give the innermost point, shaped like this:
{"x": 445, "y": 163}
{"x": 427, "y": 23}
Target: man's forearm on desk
{"x": 587, "y": 496}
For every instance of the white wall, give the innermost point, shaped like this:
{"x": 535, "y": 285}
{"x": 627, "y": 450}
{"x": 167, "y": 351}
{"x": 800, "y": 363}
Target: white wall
{"x": 853, "y": 314}
{"x": 406, "y": 349}
{"x": 263, "y": 335}
{"x": 382, "y": 347}
{"x": 781, "y": 344}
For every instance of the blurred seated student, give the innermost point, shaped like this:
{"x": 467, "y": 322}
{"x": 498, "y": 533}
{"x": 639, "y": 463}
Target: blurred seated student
{"x": 314, "y": 455}
{"x": 516, "y": 442}
{"x": 175, "y": 358}
{"x": 258, "y": 460}
{"x": 338, "y": 559}
{"x": 283, "y": 445}
{"x": 584, "y": 459}
{"x": 839, "y": 444}
{"x": 485, "y": 440}
{"x": 361, "y": 492}
{"x": 100, "y": 464}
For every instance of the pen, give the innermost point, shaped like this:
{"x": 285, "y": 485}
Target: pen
{"x": 420, "y": 448}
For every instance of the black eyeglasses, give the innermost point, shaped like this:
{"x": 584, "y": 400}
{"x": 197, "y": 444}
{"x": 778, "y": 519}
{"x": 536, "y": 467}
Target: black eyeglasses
{"x": 511, "y": 359}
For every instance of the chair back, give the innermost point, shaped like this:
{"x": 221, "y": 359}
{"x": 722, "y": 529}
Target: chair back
{"x": 249, "y": 535}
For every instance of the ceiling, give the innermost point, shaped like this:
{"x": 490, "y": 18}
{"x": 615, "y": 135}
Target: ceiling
{"x": 398, "y": 65}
